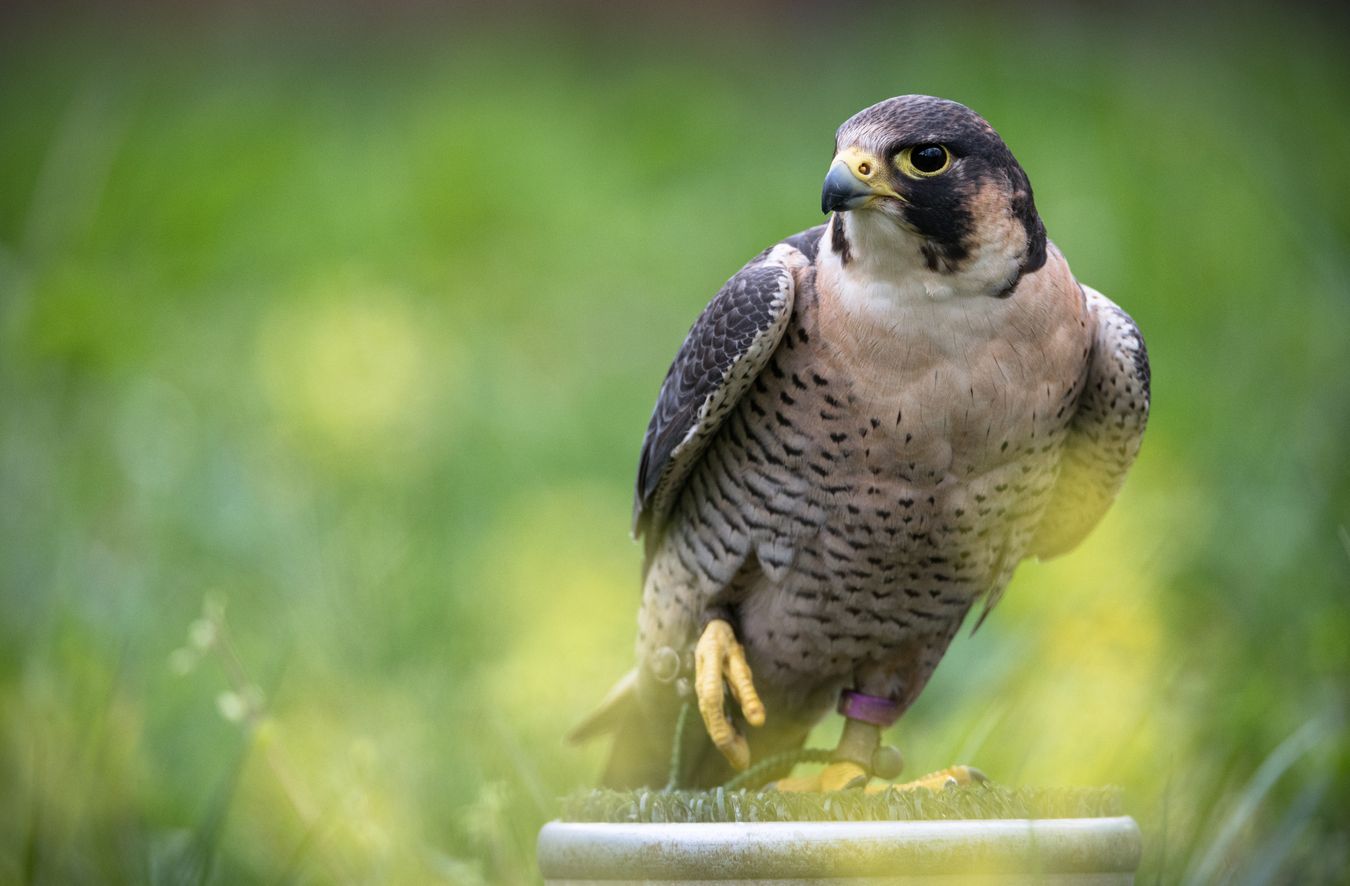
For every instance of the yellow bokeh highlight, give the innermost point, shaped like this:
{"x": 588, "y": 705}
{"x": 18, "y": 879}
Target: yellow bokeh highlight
{"x": 333, "y": 779}
{"x": 566, "y": 578}
{"x": 1074, "y": 666}
{"x": 349, "y": 367}
{"x": 1094, "y": 678}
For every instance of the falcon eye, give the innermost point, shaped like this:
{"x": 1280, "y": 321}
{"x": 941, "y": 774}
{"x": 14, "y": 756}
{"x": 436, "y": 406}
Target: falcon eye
{"x": 929, "y": 159}
{"x": 924, "y": 161}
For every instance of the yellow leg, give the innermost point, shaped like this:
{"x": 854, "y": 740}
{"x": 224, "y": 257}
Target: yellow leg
{"x": 852, "y": 762}
{"x": 835, "y": 777}
{"x": 843, "y": 774}
{"x": 952, "y": 776}
{"x": 859, "y": 755}
{"x": 719, "y": 657}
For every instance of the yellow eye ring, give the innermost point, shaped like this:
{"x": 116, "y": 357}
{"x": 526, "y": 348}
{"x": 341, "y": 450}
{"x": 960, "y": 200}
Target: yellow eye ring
{"x": 924, "y": 161}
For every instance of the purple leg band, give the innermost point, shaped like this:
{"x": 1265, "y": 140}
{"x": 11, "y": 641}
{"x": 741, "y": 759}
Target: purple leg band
{"x": 868, "y": 708}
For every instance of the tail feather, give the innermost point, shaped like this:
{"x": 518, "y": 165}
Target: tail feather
{"x": 640, "y": 755}
{"x": 642, "y": 718}
{"x": 643, "y": 726}
{"x": 610, "y": 713}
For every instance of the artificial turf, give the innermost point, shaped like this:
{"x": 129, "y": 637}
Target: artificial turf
{"x": 984, "y": 801}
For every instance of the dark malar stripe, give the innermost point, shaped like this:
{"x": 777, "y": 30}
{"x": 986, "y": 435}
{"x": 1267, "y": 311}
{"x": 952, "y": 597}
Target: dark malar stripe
{"x": 839, "y": 242}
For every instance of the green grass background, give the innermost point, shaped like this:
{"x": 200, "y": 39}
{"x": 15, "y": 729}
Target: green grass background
{"x": 327, "y": 342}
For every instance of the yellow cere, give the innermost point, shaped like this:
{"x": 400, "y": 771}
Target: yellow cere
{"x": 864, "y": 166}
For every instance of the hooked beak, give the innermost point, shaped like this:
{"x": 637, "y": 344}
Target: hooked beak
{"x": 855, "y": 178}
{"x": 843, "y": 190}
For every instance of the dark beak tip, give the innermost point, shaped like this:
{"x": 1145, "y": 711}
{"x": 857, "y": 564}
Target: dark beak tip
{"x": 833, "y": 198}
{"x": 842, "y": 190}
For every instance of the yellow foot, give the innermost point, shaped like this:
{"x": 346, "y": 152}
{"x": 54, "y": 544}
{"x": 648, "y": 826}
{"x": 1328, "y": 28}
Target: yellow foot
{"x": 717, "y": 657}
{"x": 952, "y": 776}
{"x": 834, "y": 777}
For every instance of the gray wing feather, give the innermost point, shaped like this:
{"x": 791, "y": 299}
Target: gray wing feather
{"x": 1105, "y": 432}
{"x": 725, "y": 350}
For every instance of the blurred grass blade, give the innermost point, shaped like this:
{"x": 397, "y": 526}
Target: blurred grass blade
{"x": 1285, "y": 755}
{"x": 1271, "y": 857}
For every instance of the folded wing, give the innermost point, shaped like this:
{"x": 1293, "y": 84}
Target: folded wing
{"x": 1105, "y": 431}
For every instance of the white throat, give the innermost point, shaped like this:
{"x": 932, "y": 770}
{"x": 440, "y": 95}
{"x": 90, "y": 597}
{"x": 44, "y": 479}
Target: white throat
{"x": 887, "y": 272}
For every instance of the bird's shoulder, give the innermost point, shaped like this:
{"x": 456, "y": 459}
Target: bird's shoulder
{"x": 1119, "y": 354}
{"x": 724, "y": 351}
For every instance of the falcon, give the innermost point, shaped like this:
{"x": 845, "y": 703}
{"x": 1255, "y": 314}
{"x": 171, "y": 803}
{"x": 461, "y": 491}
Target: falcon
{"x": 865, "y": 431}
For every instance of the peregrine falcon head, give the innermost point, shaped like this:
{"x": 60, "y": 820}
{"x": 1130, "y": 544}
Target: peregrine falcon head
{"x": 923, "y": 190}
